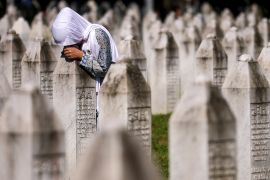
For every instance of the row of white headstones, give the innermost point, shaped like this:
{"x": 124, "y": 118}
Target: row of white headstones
{"x": 205, "y": 134}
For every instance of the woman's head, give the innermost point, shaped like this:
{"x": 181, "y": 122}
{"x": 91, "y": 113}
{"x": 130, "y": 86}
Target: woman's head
{"x": 68, "y": 27}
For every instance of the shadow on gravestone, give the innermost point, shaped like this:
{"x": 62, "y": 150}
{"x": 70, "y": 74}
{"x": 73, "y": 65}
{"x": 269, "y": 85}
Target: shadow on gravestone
{"x": 115, "y": 155}
{"x": 38, "y": 64}
{"x": 31, "y": 138}
{"x": 12, "y": 51}
{"x": 202, "y": 135}
{"x": 125, "y": 101}
{"x": 247, "y": 91}
{"x": 132, "y": 49}
{"x": 211, "y": 60}
{"x": 22, "y": 27}
{"x": 74, "y": 100}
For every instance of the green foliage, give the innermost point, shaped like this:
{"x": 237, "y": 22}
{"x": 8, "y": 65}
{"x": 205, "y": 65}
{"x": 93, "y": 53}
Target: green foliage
{"x": 160, "y": 143}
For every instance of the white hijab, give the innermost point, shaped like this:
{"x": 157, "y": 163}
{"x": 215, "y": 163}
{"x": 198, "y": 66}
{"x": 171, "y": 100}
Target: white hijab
{"x": 70, "y": 28}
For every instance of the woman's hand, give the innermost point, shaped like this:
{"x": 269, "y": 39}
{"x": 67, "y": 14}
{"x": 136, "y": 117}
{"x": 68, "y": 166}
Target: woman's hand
{"x": 73, "y": 53}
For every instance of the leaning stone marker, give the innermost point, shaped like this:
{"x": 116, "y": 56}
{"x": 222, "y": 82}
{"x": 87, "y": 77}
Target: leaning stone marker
{"x": 132, "y": 49}
{"x": 125, "y": 98}
{"x": 12, "y": 50}
{"x": 247, "y": 91}
{"x": 115, "y": 155}
{"x": 74, "y": 100}
{"x": 264, "y": 61}
{"x": 211, "y": 60}
{"x": 31, "y": 138}
{"x": 202, "y": 136}
{"x": 38, "y": 65}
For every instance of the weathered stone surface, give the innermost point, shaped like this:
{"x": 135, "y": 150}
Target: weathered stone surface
{"x": 38, "y": 64}
{"x": 74, "y": 100}
{"x": 4, "y": 90}
{"x": 202, "y": 136}
{"x": 32, "y": 144}
{"x": 132, "y": 49}
{"x": 12, "y": 50}
{"x": 233, "y": 45}
{"x": 247, "y": 91}
{"x": 164, "y": 73}
{"x": 264, "y": 61}
{"x": 125, "y": 99}
{"x": 211, "y": 60}
{"x": 115, "y": 155}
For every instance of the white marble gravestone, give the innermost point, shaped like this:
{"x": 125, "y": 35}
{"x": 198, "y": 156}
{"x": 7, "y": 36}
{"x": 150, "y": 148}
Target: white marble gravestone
{"x": 188, "y": 46}
{"x": 246, "y": 89}
{"x": 74, "y": 100}
{"x": 22, "y": 28}
{"x": 4, "y": 89}
{"x": 164, "y": 73}
{"x": 264, "y": 61}
{"x": 202, "y": 135}
{"x": 115, "y": 155}
{"x": 264, "y": 30}
{"x": 132, "y": 49}
{"x": 12, "y": 50}
{"x": 38, "y": 64}
{"x": 32, "y": 144}
{"x": 125, "y": 101}
{"x": 211, "y": 60}
{"x": 233, "y": 45}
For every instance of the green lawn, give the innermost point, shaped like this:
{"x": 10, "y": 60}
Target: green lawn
{"x": 160, "y": 143}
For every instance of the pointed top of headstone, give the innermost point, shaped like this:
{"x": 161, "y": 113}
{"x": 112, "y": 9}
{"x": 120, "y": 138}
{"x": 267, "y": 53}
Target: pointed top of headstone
{"x": 22, "y": 27}
{"x": 40, "y": 31}
{"x": 246, "y": 74}
{"x": 198, "y": 102}
{"x": 209, "y": 47}
{"x": 39, "y": 50}
{"x": 27, "y": 112}
{"x": 131, "y": 48}
{"x": 118, "y": 155}
{"x": 124, "y": 77}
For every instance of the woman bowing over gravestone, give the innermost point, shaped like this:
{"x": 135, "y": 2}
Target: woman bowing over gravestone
{"x": 90, "y": 44}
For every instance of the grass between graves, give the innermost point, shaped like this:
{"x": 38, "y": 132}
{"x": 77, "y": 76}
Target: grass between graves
{"x": 160, "y": 143}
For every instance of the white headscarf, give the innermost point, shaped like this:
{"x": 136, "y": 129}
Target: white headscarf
{"x": 70, "y": 28}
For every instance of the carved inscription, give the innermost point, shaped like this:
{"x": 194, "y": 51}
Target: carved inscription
{"x": 51, "y": 166}
{"x": 16, "y": 74}
{"x": 219, "y": 76}
{"x": 86, "y": 124}
{"x": 46, "y": 84}
{"x": 173, "y": 83}
{"x": 139, "y": 125}
{"x": 260, "y": 141}
{"x": 222, "y": 160}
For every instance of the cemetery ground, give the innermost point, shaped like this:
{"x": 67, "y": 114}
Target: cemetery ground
{"x": 160, "y": 143}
